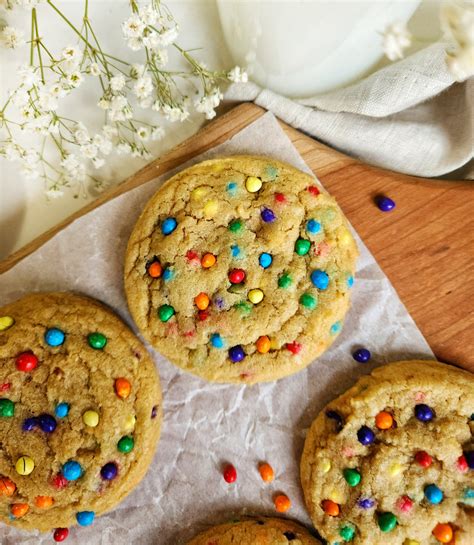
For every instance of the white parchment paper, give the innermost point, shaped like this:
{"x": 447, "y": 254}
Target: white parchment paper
{"x": 206, "y": 425}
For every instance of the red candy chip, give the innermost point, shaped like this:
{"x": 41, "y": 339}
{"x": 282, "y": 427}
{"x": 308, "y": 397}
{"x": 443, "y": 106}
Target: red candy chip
{"x": 26, "y": 362}
{"x": 294, "y": 347}
{"x": 405, "y": 504}
{"x": 60, "y": 534}
{"x": 5, "y": 386}
{"x": 203, "y": 315}
{"x": 230, "y": 474}
{"x": 279, "y": 197}
{"x": 313, "y": 190}
{"x": 236, "y": 276}
{"x": 423, "y": 459}
{"x": 462, "y": 463}
{"x": 59, "y": 481}
{"x": 191, "y": 255}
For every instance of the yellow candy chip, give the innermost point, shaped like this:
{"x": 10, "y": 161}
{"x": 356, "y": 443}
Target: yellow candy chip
{"x": 253, "y": 184}
{"x": 344, "y": 236}
{"x": 198, "y": 193}
{"x": 336, "y": 496}
{"x": 90, "y": 418}
{"x": 6, "y": 322}
{"x": 211, "y": 208}
{"x": 324, "y": 465}
{"x": 255, "y": 296}
{"x": 24, "y": 465}
{"x": 395, "y": 469}
{"x": 130, "y": 422}
{"x": 274, "y": 345}
{"x": 411, "y": 542}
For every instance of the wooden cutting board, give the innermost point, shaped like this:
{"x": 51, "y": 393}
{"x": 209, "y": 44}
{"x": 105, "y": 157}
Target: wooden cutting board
{"x": 425, "y": 245}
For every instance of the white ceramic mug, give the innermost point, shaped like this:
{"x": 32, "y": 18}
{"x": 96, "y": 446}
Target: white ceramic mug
{"x": 301, "y": 48}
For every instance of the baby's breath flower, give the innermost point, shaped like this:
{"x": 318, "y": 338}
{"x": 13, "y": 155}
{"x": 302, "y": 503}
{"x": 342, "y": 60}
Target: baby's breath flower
{"x": 75, "y": 78}
{"x": 11, "y": 37}
{"x": 157, "y": 133}
{"x": 237, "y": 75}
{"x": 137, "y": 70}
{"x": 109, "y": 131}
{"x": 81, "y": 134}
{"x": 135, "y": 44}
{"x": 10, "y": 151}
{"x": 457, "y": 21}
{"x": 208, "y": 102}
{"x": 104, "y": 103}
{"x": 124, "y": 148}
{"x": 71, "y": 53}
{"x": 396, "y": 39}
{"x": 175, "y": 113}
{"x": 90, "y": 151}
{"x": 133, "y": 27}
{"x": 46, "y": 100}
{"x": 29, "y": 76}
{"x": 21, "y": 97}
{"x": 98, "y": 162}
{"x": 148, "y": 14}
{"x": 160, "y": 57}
{"x": 143, "y": 133}
{"x": 94, "y": 69}
{"x": 169, "y": 35}
{"x": 70, "y": 163}
{"x": 143, "y": 87}
{"x": 117, "y": 83}
{"x": 103, "y": 143}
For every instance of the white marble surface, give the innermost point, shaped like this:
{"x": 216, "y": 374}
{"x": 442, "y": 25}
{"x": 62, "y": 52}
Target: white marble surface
{"x": 24, "y": 211}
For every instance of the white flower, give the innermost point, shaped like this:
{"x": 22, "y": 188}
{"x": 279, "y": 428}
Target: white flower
{"x": 148, "y": 14}
{"x": 133, "y": 27}
{"x": 157, "y": 133}
{"x": 143, "y": 133}
{"x": 58, "y": 91}
{"x": 103, "y": 143}
{"x": 31, "y": 157}
{"x": 27, "y": 113}
{"x": 20, "y": 98}
{"x": 174, "y": 113}
{"x": 120, "y": 109}
{"x": 30, "y": 172}
{"x": 25, "y": 4}
{"x": 169, "y": 36}
{"x": 28, "y": 75}
{"x": 137, "y": 70}
{"x": 98, "y": 162}
{"x": 94, "y": 69}
{"x": 75, "y": 79}
{"x": 123, "y": 148}
{"x": 135, "y": 44}
{"x": 117, "y": 83}
{"x": 396, "y": 38}
{"x": 54, "y": 193}
{"x": 71, "y": 53}
{"x": 208, "y": 102}
{"x": 46, "y": 100}
{"x": 237, "y": 75}
{"x": 70, "y": 163}
{"x": 11, "y": 37}
{"x": 104, "y": 103}
{"x": 109, "y": 131}
{"x": 39, "y": 124}
{"x": 90, "y": 151}
{"x": 160, "y": 57}
{"x": 143, "y": 87}
{"x": 10, "y": 151}
{"x": 457, "y": 20}
{"x": 81, "y": 134}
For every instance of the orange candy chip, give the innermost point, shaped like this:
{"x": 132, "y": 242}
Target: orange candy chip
{"x": 155, "y": 269}
{"x": 208, "y": 260}
{"x": 443, "y": 533}
{"x": 266, "y": 472}
{"x": 263, "y": 344}
{"x": 202, "y": 301}
{"x": 43, "y": 502}
{"x": 282, "y": 503}
{"x": 384, "y": 420}
{"x": 331, "y": 508}
{"x": 19, "y": 509}
{"x": 122, "y": 387}
{"x": 7, "y": 487}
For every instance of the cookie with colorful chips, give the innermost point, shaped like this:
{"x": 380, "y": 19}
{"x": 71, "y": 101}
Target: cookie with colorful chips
{"x": 80, "y": 411}
{"x": 250, "y": 531}
{"x": 390, "y": 462}
{"x": 240, "y": 270}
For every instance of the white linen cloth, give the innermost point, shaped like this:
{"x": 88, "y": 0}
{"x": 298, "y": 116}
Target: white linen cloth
{"x": 410, "y": 116}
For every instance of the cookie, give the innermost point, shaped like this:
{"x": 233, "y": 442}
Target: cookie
{"x": 240, "y": 270}
{"x": 262, "y": 530}
{"x": 390, "y": 462}
{"x": 80, "y": 411}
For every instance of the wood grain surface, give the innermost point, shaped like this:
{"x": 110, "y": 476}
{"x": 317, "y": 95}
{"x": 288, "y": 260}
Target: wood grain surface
{"x": 425, "y": 245}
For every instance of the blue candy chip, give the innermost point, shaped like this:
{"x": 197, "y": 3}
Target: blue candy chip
{"x": 320, "y": 279}
{"x": 168, "y": 226}
{"x": 85, "y": 518}
{"x": 217, "y": 341}
{"x": 54, "y": 337}
{"x": 61, "y": 410}
{"x": 313, "y": 226}
{"x": 265, "y": 260}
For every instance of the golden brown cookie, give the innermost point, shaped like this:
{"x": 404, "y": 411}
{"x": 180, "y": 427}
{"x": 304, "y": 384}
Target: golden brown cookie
{"x": 240, "y": 269}
{"x": 258, "y": 531}
{"x": 390, "y": 462}
{"x": 80, "y": 411}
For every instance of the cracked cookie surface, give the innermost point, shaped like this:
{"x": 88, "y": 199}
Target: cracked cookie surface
{"x": 258, "y": 531}
{"x": 239, "y": 270}
{"x": 80, "y": 411}
{"x": 390, "y": 462}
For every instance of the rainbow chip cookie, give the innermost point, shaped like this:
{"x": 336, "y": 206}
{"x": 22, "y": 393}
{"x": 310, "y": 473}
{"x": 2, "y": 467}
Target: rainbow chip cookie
{"x": 391, "y": 461}
{"x": 240, "y": 270}
{"x": 80, "y": 412}
{"x": 253, "y": 531}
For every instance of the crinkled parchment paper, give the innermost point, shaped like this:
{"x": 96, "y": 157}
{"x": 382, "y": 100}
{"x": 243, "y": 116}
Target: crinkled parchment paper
{"x": 206, "y": 425}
